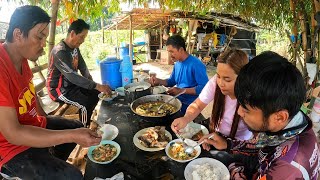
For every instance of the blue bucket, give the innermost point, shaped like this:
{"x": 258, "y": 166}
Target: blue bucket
{"x": 110, "y": 72}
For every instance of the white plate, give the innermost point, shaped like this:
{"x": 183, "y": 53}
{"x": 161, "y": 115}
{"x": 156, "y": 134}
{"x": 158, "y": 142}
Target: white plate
{"x": 197, "y": 148}
{"x": 137, "y": 143}
{"x": 159, "y": 89}
{"x": 114, "y": 95}
{"x": 192, "y": 128}
{"x": 48, "y": 105}
{"x": 110, "y": 132}
{"x": 91, "y": 148}
{"x": 218, "y": 167}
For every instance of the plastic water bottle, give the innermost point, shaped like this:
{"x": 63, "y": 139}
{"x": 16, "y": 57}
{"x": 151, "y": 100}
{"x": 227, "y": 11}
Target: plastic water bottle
{"x": 126, "y": 69}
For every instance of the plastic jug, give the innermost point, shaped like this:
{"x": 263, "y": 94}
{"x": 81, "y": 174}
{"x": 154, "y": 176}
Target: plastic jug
{"x": 126, "y": 69}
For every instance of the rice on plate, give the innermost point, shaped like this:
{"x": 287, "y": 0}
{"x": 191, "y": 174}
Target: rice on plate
{"x": 206, "y": 169}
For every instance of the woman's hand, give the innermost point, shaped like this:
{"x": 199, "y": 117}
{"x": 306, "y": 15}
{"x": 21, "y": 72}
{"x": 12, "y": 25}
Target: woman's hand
{"x": 179, "y": 124}
{"x": 217, "y": 141}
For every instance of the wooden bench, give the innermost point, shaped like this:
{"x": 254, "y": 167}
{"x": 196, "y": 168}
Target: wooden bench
{"x": 41, "y": 87}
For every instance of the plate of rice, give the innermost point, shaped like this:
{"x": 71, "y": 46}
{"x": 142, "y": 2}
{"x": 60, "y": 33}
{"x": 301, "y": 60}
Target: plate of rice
{"x": 206, "y": 169}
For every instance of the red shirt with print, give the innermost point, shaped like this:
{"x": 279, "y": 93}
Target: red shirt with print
{"x": 17, "y": 91}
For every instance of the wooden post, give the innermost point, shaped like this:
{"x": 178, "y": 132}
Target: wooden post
{"x": 52, "y": 32}
{"x": 189, "y": 37}
{"x": 147, "y": 46}
{"x": 117, "y": 41}
{"x": 131, "y": 37}
{"x": 102, "y": 28}
{"x": 161, "y": 31}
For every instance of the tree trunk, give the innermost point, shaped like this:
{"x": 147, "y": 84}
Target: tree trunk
{"x": 317, "y": 8}
{"x": 52, "y": 34}
{"x": 294, "y": 31}
{"x": 305, "y": 41}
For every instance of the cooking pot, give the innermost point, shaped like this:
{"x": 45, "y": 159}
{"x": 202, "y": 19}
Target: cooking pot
{"x": 155, "y": 98}
{"x": 136, "y": 90}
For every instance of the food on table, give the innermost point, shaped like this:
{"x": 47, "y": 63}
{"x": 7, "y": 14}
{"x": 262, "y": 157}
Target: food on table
{"x": 197, "y": 136}
{"x": 154, "y": 137}
{"x": 105, "y": 96}
{"x": 104, "y": 152}
{"x": 191, "y": 130}
{"x": 177, "y": 151}
{"x": 206, "y": 171}
{"x": 151, "y": 109}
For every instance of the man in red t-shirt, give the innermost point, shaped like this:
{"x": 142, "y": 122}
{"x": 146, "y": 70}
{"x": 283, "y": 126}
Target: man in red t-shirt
{"x": 26, "y": 132}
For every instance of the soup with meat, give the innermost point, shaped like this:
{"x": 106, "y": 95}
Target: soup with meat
{"x": 151, "y": 109}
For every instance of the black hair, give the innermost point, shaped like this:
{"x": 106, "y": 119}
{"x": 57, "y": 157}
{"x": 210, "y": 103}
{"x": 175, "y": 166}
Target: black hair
{"x": 236, "y": 59}
{"x": 78, "y": 26}
{"x": 25, "y": 18}
{"x": 270, "y": 83}
{"x": 176, "y": 41}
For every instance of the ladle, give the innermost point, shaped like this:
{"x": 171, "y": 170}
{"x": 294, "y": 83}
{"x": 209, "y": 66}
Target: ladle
{"x": 184, "y": 90}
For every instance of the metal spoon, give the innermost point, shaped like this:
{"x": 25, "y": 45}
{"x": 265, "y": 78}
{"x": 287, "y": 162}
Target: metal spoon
{"x": 181, "y": 138}
{"x": 184, "y": 90}
{"x": 189, "y": 149}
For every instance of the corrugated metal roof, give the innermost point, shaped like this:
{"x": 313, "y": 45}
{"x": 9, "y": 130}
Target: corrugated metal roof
{"x": 144, "y": 18}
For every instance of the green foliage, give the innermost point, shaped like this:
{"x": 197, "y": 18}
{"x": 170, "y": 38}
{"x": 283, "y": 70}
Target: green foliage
{"x": 94, "y": 49}
{"x": 272, "y": 41}
{"x": 267, "y": 13}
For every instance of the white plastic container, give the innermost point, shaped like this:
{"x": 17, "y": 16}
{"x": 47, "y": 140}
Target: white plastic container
{"x": 315, "y": 113}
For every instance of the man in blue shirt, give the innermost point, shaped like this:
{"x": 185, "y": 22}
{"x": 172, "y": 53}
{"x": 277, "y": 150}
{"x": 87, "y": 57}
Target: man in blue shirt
{"x": 189, "y": 73}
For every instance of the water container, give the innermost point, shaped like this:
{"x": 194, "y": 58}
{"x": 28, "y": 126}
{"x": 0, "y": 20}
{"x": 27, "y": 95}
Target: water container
{"x": 126, "y": 70}
{"x": 124, "y": 51}
{"x": 110, "y": 72}
{"x": 315, "y": 113}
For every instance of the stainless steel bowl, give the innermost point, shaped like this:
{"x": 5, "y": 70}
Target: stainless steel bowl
{"x": 155, "y": 98}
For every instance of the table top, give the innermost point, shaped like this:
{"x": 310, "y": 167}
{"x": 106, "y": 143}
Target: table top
{"x": 133, "y": 162}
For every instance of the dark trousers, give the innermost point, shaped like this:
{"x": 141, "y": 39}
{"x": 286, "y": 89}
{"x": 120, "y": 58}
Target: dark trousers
{"x": 46, "y": 163}
{"x": 80, "y": 98}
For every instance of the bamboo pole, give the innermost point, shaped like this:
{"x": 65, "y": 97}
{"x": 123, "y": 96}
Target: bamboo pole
{"x": 102, "y": 28}
{"x": 52, "y": 32}
{"x": 131, "y": 39}
{"x": 161, "y": 31}
{"x": 117, "y": 41}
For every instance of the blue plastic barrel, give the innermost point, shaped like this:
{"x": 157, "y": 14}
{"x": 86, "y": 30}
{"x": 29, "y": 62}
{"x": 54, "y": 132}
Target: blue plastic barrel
{"x": 110, "y": 72}
{"x": 126, "y": 70}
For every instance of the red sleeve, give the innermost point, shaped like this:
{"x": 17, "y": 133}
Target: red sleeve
{"x": 5, "y": 96}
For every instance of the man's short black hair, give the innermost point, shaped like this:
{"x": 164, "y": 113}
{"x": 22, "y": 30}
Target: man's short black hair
{"x": 176, "y": 41}
{"x": 25, "y": 18}
{"x": 78, "y": 26}
{"x": 271, "y": 83}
